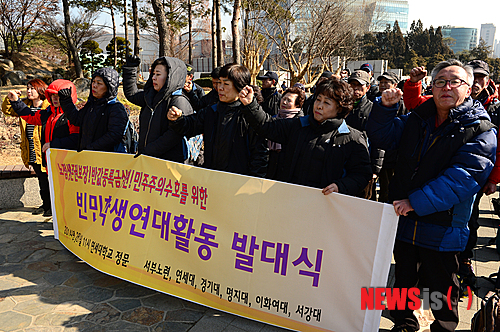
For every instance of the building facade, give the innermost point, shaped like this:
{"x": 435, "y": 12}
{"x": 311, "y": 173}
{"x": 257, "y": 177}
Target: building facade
{"x": 488, "y": 35}
{"x": 464, "y": 39}
{"x": 380, "y": 14}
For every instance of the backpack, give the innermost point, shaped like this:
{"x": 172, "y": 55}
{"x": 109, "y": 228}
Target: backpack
{"x": 129, "y": 140}
{"x": 487, "y": 319}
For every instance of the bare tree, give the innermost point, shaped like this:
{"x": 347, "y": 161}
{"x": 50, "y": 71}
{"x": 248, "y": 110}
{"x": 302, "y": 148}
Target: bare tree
{"x": 82, "y": 26}
{"x": 235, "y": 29}
{"x": 20, "y": 18}
{"x": 69, "y": 38}
{"x": 255, "y": 48}
{"x": 108, "y": 6}
{"x": 125, "y": 26}
{"x": 174, "y": 18}
{"x": 218, "y": 32}
{"x": 306, "y": 40}
{"x": 214, "y": 37}
{"x": 161, "y": 23}
{"x": 135, "y": 22}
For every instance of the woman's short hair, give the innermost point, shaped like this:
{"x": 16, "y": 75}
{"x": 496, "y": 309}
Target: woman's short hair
{"x": 238, "y": 74}
{"x": 339, "y": 90}
{"x": 39, "y": 86}
{"x": 301, "y": 95}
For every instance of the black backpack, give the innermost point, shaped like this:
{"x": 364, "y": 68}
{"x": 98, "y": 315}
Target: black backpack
{"x": 487, "y": 319}
{"x": 129, "y": 140}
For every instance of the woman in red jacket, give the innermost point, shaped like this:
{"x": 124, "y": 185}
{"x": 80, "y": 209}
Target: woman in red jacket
{"x": 57, "y": 131}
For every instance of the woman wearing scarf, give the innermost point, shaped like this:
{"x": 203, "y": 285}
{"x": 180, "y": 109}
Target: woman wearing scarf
{"x": 322, "y": 151}
{"x": 290, "y": 107}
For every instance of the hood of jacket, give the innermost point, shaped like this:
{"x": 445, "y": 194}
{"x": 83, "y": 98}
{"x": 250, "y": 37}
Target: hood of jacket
{"x": 57, "y": 85}
{"x": 112, "y": 80}
{"x": 468, "y": 112}
{"x": 176, "y": 77}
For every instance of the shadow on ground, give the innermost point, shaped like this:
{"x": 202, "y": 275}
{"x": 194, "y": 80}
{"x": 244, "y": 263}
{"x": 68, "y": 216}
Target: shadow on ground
{"x": 44, "y": 287}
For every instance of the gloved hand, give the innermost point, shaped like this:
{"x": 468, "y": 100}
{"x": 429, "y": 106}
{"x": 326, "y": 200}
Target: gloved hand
{"x": 132, "y": 61}
{"x": 64, "y": 93}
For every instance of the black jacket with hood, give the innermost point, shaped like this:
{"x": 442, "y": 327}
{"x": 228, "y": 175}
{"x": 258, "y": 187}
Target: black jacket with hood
{"x": 102, "y": 121}
{"x": 155, "y": 137}
{"x": 317, "y": 154}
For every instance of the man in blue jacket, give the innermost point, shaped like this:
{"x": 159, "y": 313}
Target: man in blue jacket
{"x": 446, "y": 150}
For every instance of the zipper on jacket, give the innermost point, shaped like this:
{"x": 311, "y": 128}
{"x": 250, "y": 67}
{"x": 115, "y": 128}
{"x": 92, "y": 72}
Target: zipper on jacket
{"x": 414, "y": 233}
{"x": 151, "y": 118}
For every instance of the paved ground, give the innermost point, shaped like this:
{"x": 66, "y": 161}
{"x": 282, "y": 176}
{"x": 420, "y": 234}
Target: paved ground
{"x": 45, "y": 288}
{"x": 486, "y": 262}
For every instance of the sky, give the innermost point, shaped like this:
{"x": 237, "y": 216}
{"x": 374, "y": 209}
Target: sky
{"x": 468, "y": 14}
{"x": 430, "y": 12}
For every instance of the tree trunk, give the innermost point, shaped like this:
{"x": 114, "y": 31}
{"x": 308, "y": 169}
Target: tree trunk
{"x": 115, "y": 53}
{"x": 125, "y": 23}
{"x": 220, "y": 54}
{"x": 214, "y": 38}
{"x": 135, "y": 18}
{"x": 161, "y": 22}
{"x": 190, "y": 34}
{"x": 69, "y": 38}
{"x": 235, "y": 22}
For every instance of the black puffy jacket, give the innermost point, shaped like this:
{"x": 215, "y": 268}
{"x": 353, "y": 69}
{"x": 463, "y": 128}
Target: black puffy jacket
{"x": 317, "y": 155}
{"x": 272, "y": 99}
{"x": 230, "y": 144}
{"x": 359, "y": 114}
{"x": 155, "y": 137}
{"x": 198, "y": 102}
{"x": 102, "y": 121}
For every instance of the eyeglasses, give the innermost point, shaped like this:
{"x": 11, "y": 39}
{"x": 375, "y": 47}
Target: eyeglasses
{"x": 454, "y": 83}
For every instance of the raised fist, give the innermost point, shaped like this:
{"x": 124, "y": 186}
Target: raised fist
{"x": 417, "y": 73}
{"x": 391, "y": 97}
{"x": 132, "y": 61}
{"x": 13, "y": 95}
{"x": 174, "y": 113}
{"x": 64, "y": 93}
{"x": 246, "y": 95}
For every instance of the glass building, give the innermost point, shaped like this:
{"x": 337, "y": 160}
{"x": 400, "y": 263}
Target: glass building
{"x": 463, "y": 38}
{"x": 380, "y": 14}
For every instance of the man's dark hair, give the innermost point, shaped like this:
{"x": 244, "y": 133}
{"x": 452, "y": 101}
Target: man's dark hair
{"x": 339, "y": 90}
{"x": 159, "y": 61}
{"x": 301, "y": 95}
{"x": 238, "y": 74}
{"x": 215, "y": 73}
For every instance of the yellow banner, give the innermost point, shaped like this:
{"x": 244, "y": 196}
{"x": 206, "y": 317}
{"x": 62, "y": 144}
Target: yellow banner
{"x": 279, "y": 253}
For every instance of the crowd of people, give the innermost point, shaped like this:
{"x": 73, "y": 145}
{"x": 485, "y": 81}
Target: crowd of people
{"x": 434, "y": 154}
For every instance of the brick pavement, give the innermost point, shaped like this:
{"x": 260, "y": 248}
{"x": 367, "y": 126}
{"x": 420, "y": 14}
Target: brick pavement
{"x": 485, "y": 262}
{"x": 45, "y": 288}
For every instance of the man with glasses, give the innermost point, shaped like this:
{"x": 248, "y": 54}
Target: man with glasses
{"x": 446, "y": 149}
{"x": 484, "y": 90}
